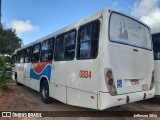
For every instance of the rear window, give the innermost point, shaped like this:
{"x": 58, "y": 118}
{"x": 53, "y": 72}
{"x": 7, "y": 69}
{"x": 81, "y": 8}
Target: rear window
{"x": 125, "y": 30}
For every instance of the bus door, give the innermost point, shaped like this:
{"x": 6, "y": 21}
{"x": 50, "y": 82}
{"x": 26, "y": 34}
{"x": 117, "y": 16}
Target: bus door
{"x": 20, "y": 72}
{"x": 27, "y": 65}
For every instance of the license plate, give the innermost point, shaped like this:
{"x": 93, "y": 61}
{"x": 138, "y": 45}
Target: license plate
{"x": 145, "y": 87}
{"x": 134, "y": 82}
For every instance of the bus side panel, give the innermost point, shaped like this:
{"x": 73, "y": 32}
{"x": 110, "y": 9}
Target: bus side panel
{"x": 157, "y": 76}
{"x": 58, "y": 92}
{"x": 61, "y": 72}
{"x": 87, "y": 75}
{"x": 82, "y": 81}
{"x": 81, "y": 98}
{"x": 33, "y": 83}
{"x": 78, "y": 74}
{"x": 27, "y": 80}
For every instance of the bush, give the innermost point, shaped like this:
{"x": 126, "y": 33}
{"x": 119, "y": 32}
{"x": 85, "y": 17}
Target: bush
{"x": 3, "y": 81}
{"x": 5, "y": 72}
{"x": 3, "y": 84}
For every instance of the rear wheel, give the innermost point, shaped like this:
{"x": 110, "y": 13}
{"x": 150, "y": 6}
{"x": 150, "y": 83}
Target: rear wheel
{"x": 44, "y": 91}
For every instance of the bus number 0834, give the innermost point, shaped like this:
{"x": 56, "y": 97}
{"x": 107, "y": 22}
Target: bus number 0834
{"x": 85, "y": 74}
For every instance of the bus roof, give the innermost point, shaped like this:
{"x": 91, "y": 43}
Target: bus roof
{"x": 70, "y": 27}
{"x": 77, "y": 24}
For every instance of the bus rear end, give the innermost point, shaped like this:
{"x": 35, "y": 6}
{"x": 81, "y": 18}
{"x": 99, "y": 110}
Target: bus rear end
{"x": 128, "y": 71}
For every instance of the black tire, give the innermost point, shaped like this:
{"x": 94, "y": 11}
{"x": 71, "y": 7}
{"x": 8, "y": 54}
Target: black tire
{"x": 44, "y": 91}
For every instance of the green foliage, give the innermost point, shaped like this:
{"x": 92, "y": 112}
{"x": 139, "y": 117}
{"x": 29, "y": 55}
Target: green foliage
{"x": 8, "y": 41}
{"x": 4, "y": 61}
{"x": 3, "y": 82}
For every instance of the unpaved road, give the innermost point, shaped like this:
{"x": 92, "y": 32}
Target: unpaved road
{"x": 22, "y": 98}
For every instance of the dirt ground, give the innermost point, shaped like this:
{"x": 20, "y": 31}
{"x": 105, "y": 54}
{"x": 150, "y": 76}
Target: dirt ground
{"x": 22, "y": 98}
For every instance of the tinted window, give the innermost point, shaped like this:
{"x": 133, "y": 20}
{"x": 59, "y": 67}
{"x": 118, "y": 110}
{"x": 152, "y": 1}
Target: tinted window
{"x": 22, "y": 54}
{"x": 27, "y": 54}
{"x": 65, "y": 46}
{"x": 47, "y": 50}
{"x": 88, "y": 36}
{"x": 59, "y": 48}
{"x": 69, "y": 39}
{"x": 36, "y": 53}
{"x": 156, "y": 46}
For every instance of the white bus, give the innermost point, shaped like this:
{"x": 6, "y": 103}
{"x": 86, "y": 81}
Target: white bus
{"x": 99, "y": 62}
{"x": 156, "y": 49}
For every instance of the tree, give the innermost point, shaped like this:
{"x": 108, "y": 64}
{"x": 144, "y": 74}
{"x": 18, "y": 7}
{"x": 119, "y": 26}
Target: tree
{"x": 9, "y": 41}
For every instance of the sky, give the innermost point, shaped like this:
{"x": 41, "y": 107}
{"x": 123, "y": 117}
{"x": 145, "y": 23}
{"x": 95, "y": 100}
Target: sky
{"x": 33, "y": 19}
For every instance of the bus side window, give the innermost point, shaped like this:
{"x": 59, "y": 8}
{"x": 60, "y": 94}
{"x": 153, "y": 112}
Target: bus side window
{"x": 69, "y": 39}
{"x": 28, "y": 51}
{"x": 36, "y": 53}
{"x": 65, "y": 46}
{"x": 22, "y": 54}
{"x": 47, "y": 50}
{"x": 59, "y": 48}
{"x": 88, "y": 37}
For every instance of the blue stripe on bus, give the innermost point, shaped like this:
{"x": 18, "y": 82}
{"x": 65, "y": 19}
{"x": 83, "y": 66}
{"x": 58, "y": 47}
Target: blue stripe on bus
{"x": 45, "y": 72}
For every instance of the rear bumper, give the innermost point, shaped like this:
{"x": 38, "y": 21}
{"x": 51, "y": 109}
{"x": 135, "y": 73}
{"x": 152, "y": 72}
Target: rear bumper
{"x": 106, "y": 100}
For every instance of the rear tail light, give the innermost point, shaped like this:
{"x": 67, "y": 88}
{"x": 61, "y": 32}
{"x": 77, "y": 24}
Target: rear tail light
{"x": 152, "y": 80}
{"x": 109, "y": 74}
{"x": 110, "y": 82}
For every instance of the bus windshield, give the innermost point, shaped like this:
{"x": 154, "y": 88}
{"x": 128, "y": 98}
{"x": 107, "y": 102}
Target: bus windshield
{"x": 125, "y": 30}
